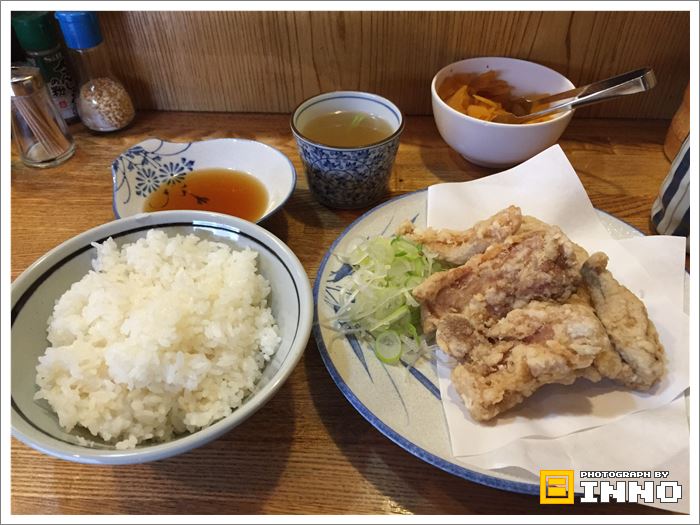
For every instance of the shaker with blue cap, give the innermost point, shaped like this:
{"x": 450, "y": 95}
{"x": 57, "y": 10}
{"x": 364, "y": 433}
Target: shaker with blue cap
{"x": 102, "y": 101}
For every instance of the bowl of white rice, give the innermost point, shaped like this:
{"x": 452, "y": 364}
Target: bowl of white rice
{"x": 154, "y": 334}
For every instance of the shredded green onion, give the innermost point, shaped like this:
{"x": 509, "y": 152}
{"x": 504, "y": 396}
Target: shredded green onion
{"x": 375, "y": 300}
{"x": 387, "y": 347}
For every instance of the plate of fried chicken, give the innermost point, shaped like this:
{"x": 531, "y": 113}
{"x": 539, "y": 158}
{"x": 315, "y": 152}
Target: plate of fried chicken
{"x": 521, "y": 307}
{"x": 527, "y": 307}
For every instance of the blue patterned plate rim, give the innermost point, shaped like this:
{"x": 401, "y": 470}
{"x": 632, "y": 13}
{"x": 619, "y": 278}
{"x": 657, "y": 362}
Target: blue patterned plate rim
{"x": 116, "y": 185}
{"x": 412, "y": 448}
{"x": 348, "y": 94}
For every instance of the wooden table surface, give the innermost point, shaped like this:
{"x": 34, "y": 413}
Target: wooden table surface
{"x": 307, "y": 450}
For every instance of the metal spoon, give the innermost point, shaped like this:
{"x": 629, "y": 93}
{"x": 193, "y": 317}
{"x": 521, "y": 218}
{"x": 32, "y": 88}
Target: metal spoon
{"x": 628, "y": 83}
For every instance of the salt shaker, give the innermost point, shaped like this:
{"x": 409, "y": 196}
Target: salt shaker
{"x": 103, "y": 102}
{"x": 39, "y": 131}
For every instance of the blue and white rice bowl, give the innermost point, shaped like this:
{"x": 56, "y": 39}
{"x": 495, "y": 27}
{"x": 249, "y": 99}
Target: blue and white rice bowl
{"x": 353, "y": 177}
{"x": 36, "y": 290}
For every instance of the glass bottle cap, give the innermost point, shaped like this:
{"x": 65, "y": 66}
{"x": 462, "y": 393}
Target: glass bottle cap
{"x": 26, "y": 80}
{"x": 81, "y": 30}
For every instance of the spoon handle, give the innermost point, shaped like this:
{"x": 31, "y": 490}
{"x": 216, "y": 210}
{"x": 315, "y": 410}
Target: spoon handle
{"x": 626, "y": 84}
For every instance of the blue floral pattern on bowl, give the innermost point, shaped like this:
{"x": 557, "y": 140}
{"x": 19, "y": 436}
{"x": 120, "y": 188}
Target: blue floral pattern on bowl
{"x": 348, "y": 178}
{"x": 147, "y": 166}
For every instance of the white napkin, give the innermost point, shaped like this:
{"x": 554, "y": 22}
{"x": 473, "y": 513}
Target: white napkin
{"x": 547, "y": 187}
{"x": 662, "y": 257}
{"x": 658, "y": 437}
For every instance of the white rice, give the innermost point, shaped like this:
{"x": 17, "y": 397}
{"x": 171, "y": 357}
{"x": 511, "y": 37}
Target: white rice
{"x": 163, "y": 336}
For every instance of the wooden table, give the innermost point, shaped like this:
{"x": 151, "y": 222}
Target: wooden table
{"x": 308, "y": 450}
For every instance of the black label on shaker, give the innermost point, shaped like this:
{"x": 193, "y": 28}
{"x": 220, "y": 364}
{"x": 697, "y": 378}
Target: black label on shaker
{"x": 61, "y": 87}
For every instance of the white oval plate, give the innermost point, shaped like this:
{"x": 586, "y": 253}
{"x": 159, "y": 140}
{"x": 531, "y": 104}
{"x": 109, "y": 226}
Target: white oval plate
{"x": 140, "y": 170}
{"x": 402, "y": 403}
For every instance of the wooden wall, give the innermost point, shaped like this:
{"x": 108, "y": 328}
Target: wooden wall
{"x": 271, "y": 61}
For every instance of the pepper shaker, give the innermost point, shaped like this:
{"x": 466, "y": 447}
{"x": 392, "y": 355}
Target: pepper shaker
{"x": 103, "y": 102}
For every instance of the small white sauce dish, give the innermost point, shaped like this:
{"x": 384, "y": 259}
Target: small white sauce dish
{"x": 142, "y": 168}
{"x": 492, "y": 144}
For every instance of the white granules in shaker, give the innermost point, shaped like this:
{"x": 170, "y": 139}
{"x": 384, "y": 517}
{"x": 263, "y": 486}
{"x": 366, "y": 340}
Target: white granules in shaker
{"x": 104, "y": 105}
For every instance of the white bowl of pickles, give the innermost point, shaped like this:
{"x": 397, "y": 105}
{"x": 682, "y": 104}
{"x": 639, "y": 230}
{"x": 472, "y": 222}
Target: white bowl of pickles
{"x": 468, "y": 95}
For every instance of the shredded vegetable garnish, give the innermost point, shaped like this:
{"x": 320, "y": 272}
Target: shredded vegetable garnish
{"x": 375, "y": 301}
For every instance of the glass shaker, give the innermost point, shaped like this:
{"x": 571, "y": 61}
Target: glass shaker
{"x": 40, "y": 133}
{"x": 103, "y": 102}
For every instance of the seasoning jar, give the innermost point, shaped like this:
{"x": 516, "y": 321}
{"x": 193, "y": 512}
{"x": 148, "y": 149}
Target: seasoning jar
{"x": 36, "y": 34}
{"x": 39, "y": 131}
{"x": 103, "y": 102}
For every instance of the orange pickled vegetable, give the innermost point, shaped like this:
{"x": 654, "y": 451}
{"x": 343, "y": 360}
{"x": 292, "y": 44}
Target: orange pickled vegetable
{"x": 481, "y": 112}
{"x": 483, "y": 96}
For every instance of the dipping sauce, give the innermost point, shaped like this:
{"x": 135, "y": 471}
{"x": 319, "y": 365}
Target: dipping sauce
{"x": 347, "y": 129}
{"x": 213, "y": 189}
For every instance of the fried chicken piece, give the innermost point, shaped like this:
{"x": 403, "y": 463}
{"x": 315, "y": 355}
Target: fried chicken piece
{"x": 580, "y": 296}
{"x": 637, "y": 357}
{"x": 538, "y": 264}
{"x": 530, "y": 223}
{"x": 541, "y": 343}
{"x": 457, "y": 247}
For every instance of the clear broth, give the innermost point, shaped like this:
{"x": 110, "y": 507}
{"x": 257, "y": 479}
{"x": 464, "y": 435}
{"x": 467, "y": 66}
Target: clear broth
{"x": 214, "y": 189}
{"x": 347, "y": 129}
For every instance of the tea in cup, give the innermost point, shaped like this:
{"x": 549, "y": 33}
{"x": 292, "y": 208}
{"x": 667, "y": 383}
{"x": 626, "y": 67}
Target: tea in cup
{"x": 347, "y": 142}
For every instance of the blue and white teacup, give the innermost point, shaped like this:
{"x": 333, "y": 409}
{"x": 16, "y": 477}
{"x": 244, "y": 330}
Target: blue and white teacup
{"x": 353, "y": 177}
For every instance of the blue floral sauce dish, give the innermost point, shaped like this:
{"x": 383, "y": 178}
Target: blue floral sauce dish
{"x": 341, "y": 176}
{"x": 142, "y": 169}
